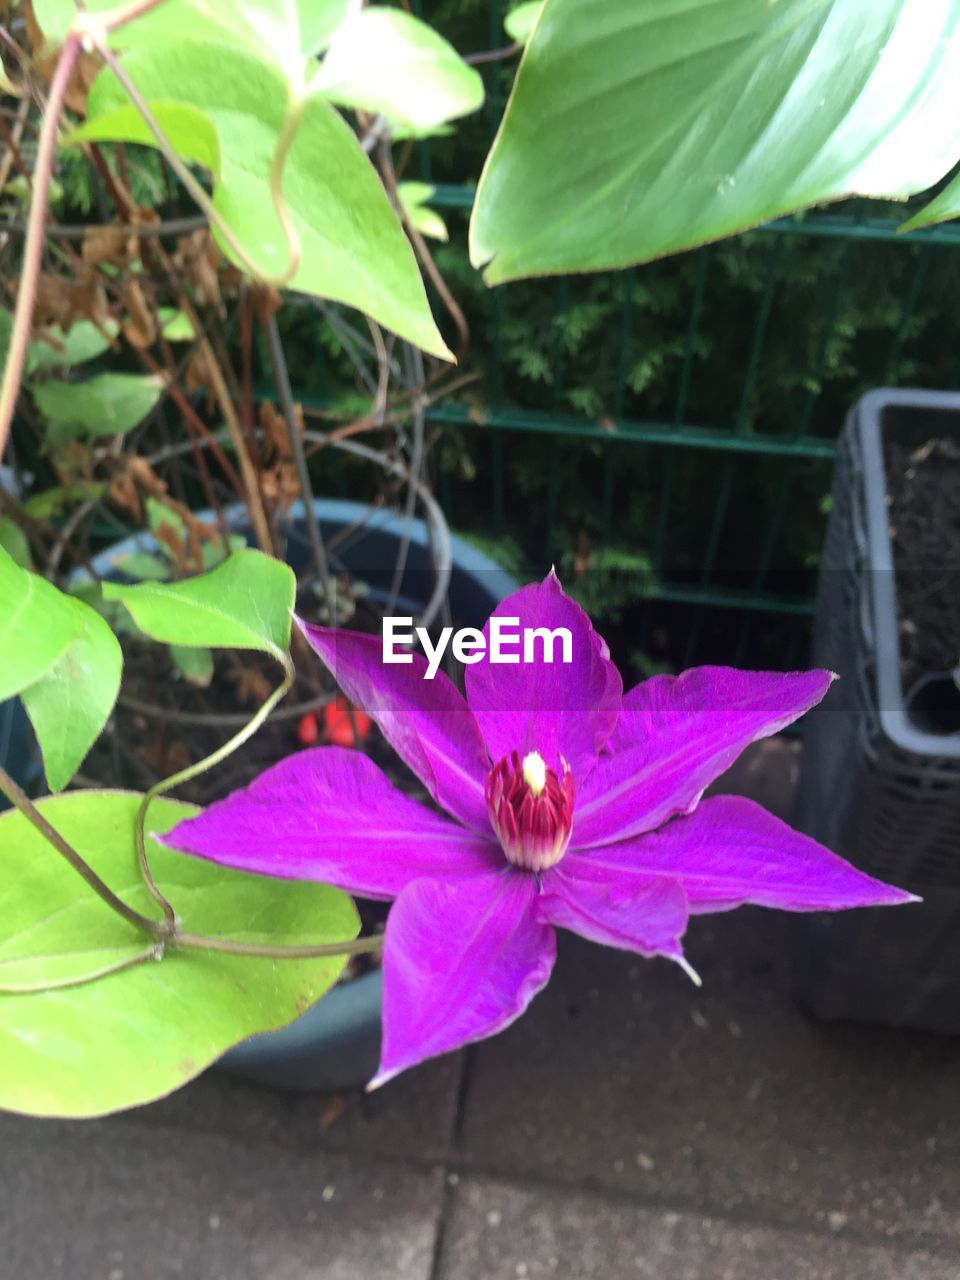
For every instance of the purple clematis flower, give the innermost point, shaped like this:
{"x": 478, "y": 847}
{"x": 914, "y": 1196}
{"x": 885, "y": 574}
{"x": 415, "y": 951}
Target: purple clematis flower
{"x": 567, "y": 805}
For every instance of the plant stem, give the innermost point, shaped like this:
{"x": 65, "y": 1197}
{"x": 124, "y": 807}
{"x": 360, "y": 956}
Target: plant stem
{"x": 193, "y": 771}
{"x": 153, "y": 952}
{"x": 357, "y": 947}
{"x": 281, "y": 377}
{"x": 33, "y": 246}
{"x": 33, "y": 815}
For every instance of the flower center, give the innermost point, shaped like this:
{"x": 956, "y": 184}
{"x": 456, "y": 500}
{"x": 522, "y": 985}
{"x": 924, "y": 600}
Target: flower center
{"x": 531, "y": 810}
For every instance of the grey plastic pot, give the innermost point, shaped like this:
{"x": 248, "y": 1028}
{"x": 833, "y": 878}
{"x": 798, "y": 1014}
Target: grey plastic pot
{"x": 880, "y": 771}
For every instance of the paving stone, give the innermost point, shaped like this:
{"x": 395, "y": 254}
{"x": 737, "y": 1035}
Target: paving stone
{"x": 623, "y": 1075}
{"x": 123, "y": 1201}
{"x": 497, "y": 1231}
{"x": 411, "y": 1118}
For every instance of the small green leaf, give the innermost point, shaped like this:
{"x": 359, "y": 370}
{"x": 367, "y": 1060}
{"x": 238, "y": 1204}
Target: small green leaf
{"x": 63, "y": 660}
{"x": 50, "y": 502}
{"x": 141, "y": 1033}
{"x": 941, "y": 208}
{"x": 37, "y": 624}
{"x": 413, "y": 198}
{"x": 105, "y": 405}
{"x": 387, "y": 62}
{"x": 141, "y": 566}
{"x": 639, "y": 128}
{"x": 245, "y": 603}
{"x": 213, "y": 553}
{"x": 175, "y": 325}
{"x": 519, "y": 22}
{"x": 195, "y": 665}
{"x": 14, "y": 541}
{"x": 83, "y": 341}
{"x": 69, "y": 705}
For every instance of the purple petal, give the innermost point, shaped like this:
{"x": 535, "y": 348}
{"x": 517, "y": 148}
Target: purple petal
{"x": 675, "y": 735}
{"x": 560, "y": 709}
{"x": 647, "y": 916}
{"x": 460, "y": 962}
{"x": 329, "y": 814}
{"x": 426, "y": 722}
{"x": 730, "y": 852}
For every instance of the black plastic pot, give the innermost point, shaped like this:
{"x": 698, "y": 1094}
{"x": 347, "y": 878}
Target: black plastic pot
{"x": 880, "y": 772}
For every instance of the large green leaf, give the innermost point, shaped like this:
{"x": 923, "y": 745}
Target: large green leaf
{"x": 37, "y": 624}
{"x": 69, "y": 704}
{"x": 638, "y": 128}
{"x": 105, "y": 405}
{"x": 388, "y": 62}
{"x": 227, "y": 113}
{"x": 245, "y": 603}
{"x": 138, "y": 1034}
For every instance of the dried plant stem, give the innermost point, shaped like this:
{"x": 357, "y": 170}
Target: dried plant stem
{"x": 251, "y": 483}
{"x": 282, "y": 379}
{"x": 33, "y": 245}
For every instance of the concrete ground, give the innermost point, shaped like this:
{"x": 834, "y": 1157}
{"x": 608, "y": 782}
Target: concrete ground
{"x": 628, "y": 1126}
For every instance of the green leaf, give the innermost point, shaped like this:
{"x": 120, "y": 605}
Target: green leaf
{"x": 50, "y": 502}
{"x": 941, "y": 208}
{"x": 139, "y": 1034}
{"x": 69, "y": 705}
{"x": 229, "y": 115}
{"x": 63, "y": 660}
{"x": 105, "y": 405}
{"x": 83, "y": 341}
{"x": 175, "y": 325}
{"x": 14, "y": 541}
{"x": 387, "y": 62}
{"x": 413, "y": 199}
{"x": 140, "y": 565}
{"x": 636, "y": 129}
{"x": 519, "y": 22}
{"x": 268, "y": 28}
{"x": 37, "y": 624}
{"x": 195, "y": 665}
{"x": 245, "y": 603}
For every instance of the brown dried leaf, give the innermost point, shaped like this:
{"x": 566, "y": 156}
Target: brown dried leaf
{"x": 123, "y": 494}
{"x": 252, "y": 686}
{"x": 198, "y": 258}
{"x": 146, "y": 477}
{"x": 112, "y": 243}
{"x": 165, "y": 758}
{"x": 139, "y": 329}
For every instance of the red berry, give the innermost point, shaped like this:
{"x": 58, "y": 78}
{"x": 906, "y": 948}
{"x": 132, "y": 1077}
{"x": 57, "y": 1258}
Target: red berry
{"x": 308, "y": 731}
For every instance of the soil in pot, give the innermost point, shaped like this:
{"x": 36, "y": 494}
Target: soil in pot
{"x": 923, "y": 493}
